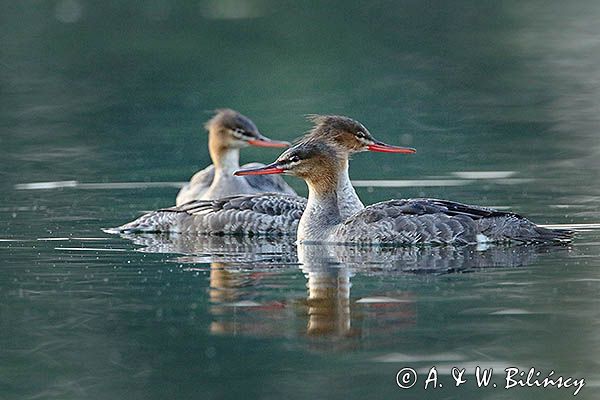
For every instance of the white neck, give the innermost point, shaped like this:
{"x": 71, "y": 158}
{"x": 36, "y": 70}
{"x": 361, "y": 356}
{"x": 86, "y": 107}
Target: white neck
{"x": 225, "y": 158}
{"x": 226, "y": 162}
{"x": 348, "y": 201}
{"x": 320, "y": 217}
{"x": 326, "y": 209}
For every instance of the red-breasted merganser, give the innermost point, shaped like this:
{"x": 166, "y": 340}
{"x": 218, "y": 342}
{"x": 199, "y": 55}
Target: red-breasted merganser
{"x": 393, "y": 222}
{"x": 228, "y": 132}
{"x": 268, "y": 213}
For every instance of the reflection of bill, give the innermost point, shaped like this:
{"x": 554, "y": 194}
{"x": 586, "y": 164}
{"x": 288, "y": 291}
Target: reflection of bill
{"x": 330, "y": 308}
{"x": 327, "y": 309}
{"x": 332, "y": 311}
{"x": 243, "y": 270}
{"x": 232, "y": 306}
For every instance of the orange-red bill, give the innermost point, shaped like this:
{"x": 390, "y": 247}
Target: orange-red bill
{"x": 266, "y": 170}
{"x": 268, "y": 143}
{"x": 387, "y": 148}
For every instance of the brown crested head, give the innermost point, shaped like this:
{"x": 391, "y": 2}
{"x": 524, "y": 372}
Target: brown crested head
{"x": 231, "y": 129}
{"x": 348, "y": 135}
{"x": 311, "y": 159}
{"x": 341, "y": 131}
{"x": 226, "y": 119}
{"x": 318, "y": 162}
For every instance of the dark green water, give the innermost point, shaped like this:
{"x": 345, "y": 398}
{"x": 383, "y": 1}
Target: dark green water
{"x": 109, "y": 92}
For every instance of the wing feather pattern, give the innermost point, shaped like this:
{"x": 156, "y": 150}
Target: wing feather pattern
{"x": 262, "y": 214}
{"x": 432, "y": 221}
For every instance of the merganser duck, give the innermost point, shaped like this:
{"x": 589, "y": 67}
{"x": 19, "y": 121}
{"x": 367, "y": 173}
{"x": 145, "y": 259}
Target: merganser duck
{"x": 393, "y": 222}
{"x": 228, "y": 132}
{"x": 267, "y": 213}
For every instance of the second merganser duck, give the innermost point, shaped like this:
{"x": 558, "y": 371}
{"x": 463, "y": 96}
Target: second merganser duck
{"x": 393, "y": 222}
{"x": 228, "y": 132}
{"x": 267, "y": 213}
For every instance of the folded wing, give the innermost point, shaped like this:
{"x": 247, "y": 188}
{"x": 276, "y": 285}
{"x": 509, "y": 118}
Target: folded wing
{"x": 265, "y": 214}
{"x": 421, "y": 221}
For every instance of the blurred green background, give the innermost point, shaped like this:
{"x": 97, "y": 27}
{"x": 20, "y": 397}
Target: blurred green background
{"x": 118, "y": 91}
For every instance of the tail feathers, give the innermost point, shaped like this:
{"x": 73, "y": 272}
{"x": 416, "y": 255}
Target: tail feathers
{"x": 153, "y": 222}
{"x": 552, "y": 235}
{"x": 519, "y": 229}
{"x": 531, "y": 233}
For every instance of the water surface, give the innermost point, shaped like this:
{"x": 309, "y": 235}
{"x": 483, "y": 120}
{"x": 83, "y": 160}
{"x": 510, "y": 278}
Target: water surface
{"x": 101, "y": 117}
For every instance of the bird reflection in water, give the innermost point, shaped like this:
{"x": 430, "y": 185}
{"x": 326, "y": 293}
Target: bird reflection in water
{"x": 249, "y": 275}
{"x": 328, "y": 301}
{"x": 231, "y": 308}
{"x": 329, "y": 307}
